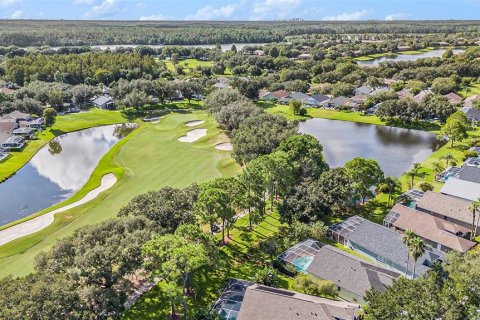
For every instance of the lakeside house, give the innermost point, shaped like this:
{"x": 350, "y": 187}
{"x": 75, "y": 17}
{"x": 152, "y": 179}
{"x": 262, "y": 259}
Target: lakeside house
{"x": 363, "y": 90}
{"x": 3, "y": 153}
{"x": 13, "y": 143}
{"x": 352, "y": 275}
{"x": 462, "y": 189}
{"x": 245, "y": 300}
{"x": 26, "y": 132}
{"x": 381, "y": 244}
{"x": 445, "y": 207}
{"x": 8, "y": 125}
{"x": 17, "y": 116}
{"x": 104, "y": 102}
{"x": 436, "y": 232}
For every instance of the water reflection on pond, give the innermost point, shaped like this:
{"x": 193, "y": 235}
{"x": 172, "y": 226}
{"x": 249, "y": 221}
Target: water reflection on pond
{"x": 437, "y": 53}
{"x": 55, "y": 173}
{"x": 394, "y": 148}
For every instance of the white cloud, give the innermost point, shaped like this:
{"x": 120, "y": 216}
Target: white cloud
{"x": 107, "y": 8}
{"x": 275, "y": 9}
{"x": 348, "y": 16}
{"x": 209, "y": 12}
{"x": 153, "y": 17}
{"x": 395, "y": 16}
{"x": 6, "y": 3}
{"x": 19, "y": 14}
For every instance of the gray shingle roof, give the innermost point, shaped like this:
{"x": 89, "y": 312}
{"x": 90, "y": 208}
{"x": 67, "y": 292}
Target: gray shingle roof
{"x": 470, "y": 173}
{"x": 102, "y": 100}
{"x": 349, "y": 272}
{"x": 387, "y": 245}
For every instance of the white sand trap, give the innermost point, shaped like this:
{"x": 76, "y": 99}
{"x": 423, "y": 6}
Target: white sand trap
{"x": 193, "y": 135}
{"x": 155, "y": 122}
{"x": 194, "y": 123}
{"x": 226, "y": 146}
{"x": 43, "y": 221}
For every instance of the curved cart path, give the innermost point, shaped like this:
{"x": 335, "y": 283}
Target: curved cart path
{"x": 41, "y": 222}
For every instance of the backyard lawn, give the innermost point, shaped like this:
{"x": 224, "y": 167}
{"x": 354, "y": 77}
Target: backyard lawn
{"x": 64, "y": 124}
{"x": 239, "y": 259}
{"x": 151, "y": 157}
{"x": 187, "y": 64}
{"x": 471, "y": 90}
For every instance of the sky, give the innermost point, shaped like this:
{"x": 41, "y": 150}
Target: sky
{"x": 240, "y": 9}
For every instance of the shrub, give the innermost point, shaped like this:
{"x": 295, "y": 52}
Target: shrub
{"x": 285, "y": 268}
{"x": 306, "y": 284}
{"x": 267, "y": 276}
{"x": 470, "y": 154}
{"x": 425, "y": 186}
{"x": 302, "y": 112}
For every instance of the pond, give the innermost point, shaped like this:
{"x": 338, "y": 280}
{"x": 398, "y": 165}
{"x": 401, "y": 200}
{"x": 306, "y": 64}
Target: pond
{"x": 395, "y": 149}
{"x": 437, "y": 53}
{"x": 55, "y": 173}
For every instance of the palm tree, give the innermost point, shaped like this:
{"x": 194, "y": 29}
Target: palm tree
{"x": 416, "y": 249}
{"x": 390, "y": 185}
{"x": 448, "y": 157}
{"x": 474, "y": 208}
{"x": 413, "y": 173}
{"x": 407, "y": 240}
{"x": 437, "y": 168}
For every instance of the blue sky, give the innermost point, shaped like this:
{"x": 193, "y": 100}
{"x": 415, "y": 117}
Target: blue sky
{"x": 240, "y": 9}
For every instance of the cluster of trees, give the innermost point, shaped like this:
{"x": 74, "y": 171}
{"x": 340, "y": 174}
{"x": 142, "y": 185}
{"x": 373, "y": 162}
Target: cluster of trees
{"x": 449, "y": 291}
{"x": 90, "y": 68}
{"x": 455, "y": 128}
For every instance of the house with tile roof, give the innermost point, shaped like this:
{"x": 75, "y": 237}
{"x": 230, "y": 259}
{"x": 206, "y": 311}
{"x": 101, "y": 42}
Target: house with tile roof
{"x": 436, "y": 233}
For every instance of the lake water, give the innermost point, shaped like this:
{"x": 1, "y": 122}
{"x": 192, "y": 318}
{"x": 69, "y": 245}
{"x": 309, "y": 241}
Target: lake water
{"x": 55, "y": 173}
{"x": 395, "y": 149}
{"x": 437, "y": 53}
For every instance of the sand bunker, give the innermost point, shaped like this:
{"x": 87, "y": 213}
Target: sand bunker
{"x": 226, "y": 146}
{"x": 43, "y": 221}
{"x": 193, "y": 135}
{"x": 194, "y": 123}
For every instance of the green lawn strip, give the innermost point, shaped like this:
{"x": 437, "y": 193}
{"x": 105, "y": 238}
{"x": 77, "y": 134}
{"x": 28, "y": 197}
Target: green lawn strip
{"x": 150, "y": 159}
{"x": 187, "y": 64}
{"x": 64, "y": 124}
{"x": 239, "y": 259}
{"x": 471, "y": 90}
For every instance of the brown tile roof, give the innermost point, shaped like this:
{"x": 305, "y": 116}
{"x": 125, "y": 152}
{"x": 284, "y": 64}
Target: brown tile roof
{"x": 444, "y": 205}
{"x": 432, "y": 228}
{"x": 280, "y": 94}
{"x": 453, "y": 97}
{"x": 7, "y": 125}
{"x": 7, "y": 91}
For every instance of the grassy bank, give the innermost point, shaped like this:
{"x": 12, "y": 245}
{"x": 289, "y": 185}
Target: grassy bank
{"x": 64, "y": 124}
{"x": 151, "y": 158}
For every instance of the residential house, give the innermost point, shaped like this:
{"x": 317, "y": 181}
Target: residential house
{"x": 436, "y": 232}
{"x": 445, "y": 207}
{"x": 421, "y": 96}
{"x": 259, "y": 53}
{"x": 279, "y": 94}
{"x": 374, "y": 109}
{"x": 389, "y": 82}
{"x": 36, "y": 123}
{"x": 352, "y": 276}
{"x": 104, "y": 102}
{"x": 470, "y": 172}
{"x": 320, "y": 98}
{"x": 472, "y": 114}
{"x": 13, "y": 143}
{"x": 304, "y": 56}
{"x": 17, "y": 116}
{"x": 404, "y": 93}
{"x": 221, "y": 85}
{"x": 468, "y": 102}
{"x": 8, "y": 125}
{"x": 453, "y": 98}
{"x": 363, "y": 90}
{"x": 381, "y": 244}
{"x": 305, "y": 99}
{"x": 404, "y": 48}
{"x": 338, "y": 102}
{"x": 245, "y": 300}
{"x": 462, "y": 189}
{"x": 6, "y": 91}
{"x": 359, "y": 98}
{"x": 26, "y": 132}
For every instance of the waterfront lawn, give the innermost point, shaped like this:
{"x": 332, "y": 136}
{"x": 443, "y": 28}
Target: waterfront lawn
{"x": 64, "y": 124}
{"x": 321, "y": 113}
{"x": 150, "y": 158}
{"x": 239, "y": 259}
{"x": 187, "y": 64}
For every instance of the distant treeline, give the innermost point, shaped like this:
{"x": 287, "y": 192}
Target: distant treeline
{"x": 79, "y": 33}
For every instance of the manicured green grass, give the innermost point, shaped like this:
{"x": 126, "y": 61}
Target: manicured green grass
{"x": 322, "y": 113}
{"x": 239, "y": 259}
{"x": 471, "y": 90}
{"x": 64, "y": 124}
{"x": 149, "y": 159}
{"x": 187, "y": 64}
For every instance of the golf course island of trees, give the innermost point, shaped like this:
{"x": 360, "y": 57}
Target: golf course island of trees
{"x": 214, "y": 181}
